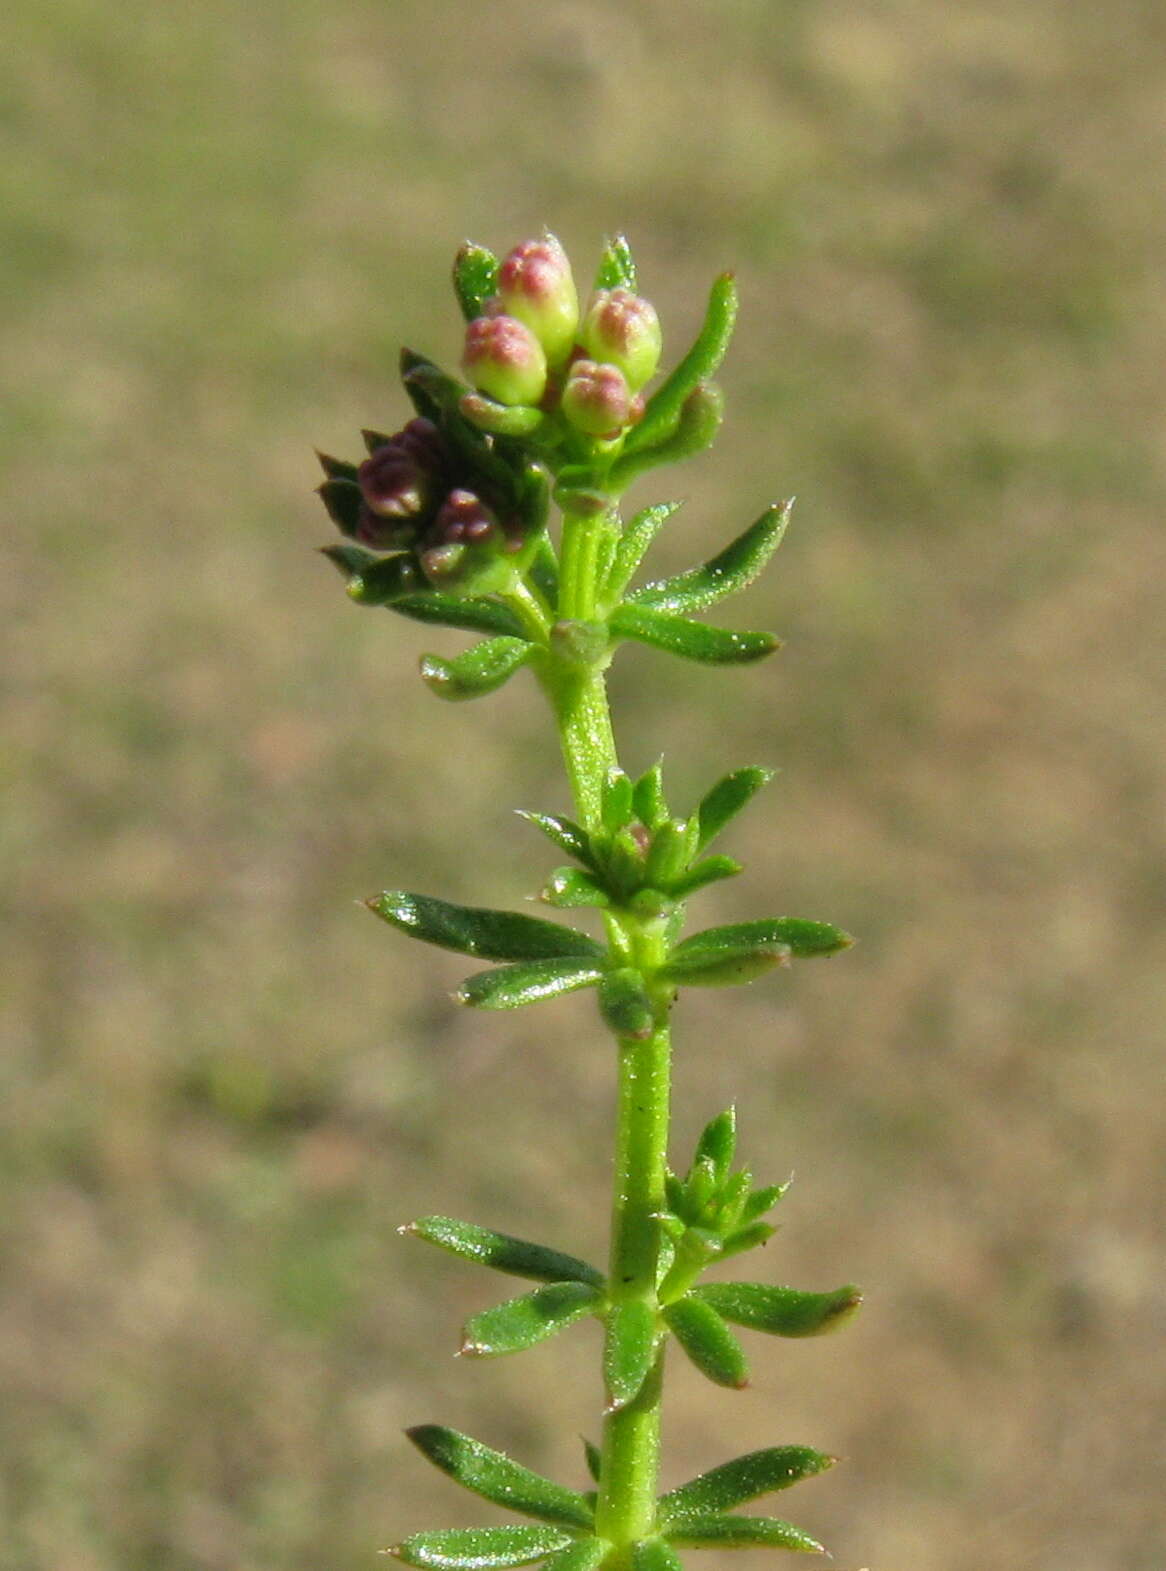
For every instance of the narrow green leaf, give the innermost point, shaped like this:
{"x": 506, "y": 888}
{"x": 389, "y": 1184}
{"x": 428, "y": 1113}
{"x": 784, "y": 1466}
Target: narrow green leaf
{"x": 668, "y": 854}
{"x": 344, "y": 501}
{"x": 648, "y": 797}
{"x": 709, "y": 1343}
{"x": 638, "y": 534}
{"x": 744, "y": 1478}
{"x": 745, "y": 1238}
{"x": 566, "y": 834}
{"x": 742, "y": 1532}
{"x": 629, "y": 1351}
{"x": 779, "y": 1311}
{"x": 616, "y": 268}
{"x": 625, "y": 1005}
{"x": 502, "y": 1252}
{"x": 653, "y": 1554}
{"x": 348, "y": 559}
{"x": 726, "y": 799}
{"x": 569, "y": 888}
{"x": 544, "y": 567}
{"x": 522, "y": 1322}
{"x": 513, "y": 987}
{"x": 709, "y": 870}
{"x": 731, "y": 570}
{"x": 386, "y": 581}
{"x": 692, "y": 640}
{"x": 763, "y": 1200}
{"x": 435, "y": 394}
{"x": 701, "y": 361}
{"x": 479, "y": 1548}
{"x": 476, "y": 672}
{"x": 521, "y": 420}
{"x": 471, "y": 613}
{"x": 584, "y": 1554}
{"x": 494, "y": 1476}
{"x": 593, "y": 1456}
{"x": 724, "y": 968}
{"x": 616, "y": 805}
{"x": 478, "y": 931}
{"x": 701, "y": 417}
{"x": 475, "y": 278}
{"x": 718, "y": 1144}
{"x": 803, "y": 939}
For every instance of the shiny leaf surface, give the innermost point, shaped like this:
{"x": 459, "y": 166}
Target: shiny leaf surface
{"x": 523, "y": 1322}
{"x": 501, "y": 1251}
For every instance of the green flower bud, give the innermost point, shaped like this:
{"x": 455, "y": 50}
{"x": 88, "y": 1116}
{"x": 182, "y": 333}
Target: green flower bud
{"x": 624, "y": 330}
{"x": 505, "y": 360}
{"x": 597, "y": 398}
{"x": 535, "y": 286}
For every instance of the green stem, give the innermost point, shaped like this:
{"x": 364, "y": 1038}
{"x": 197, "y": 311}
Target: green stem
{"x": 629, "y": 1475}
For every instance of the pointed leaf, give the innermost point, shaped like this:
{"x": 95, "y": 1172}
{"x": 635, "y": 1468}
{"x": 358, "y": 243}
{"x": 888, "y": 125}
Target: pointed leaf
{"x": 638, "y": 534}
{"x": 385, "y": 580}
{"x": 478, "y": 931}
{"x": 471, "y": 613}
{"x": 584, "y": 1554}
{"x": 348, "y": 559}
{"x": 344, "y": 501}
{"x": 513, "y": 987}
{"x": 479, "y": 1548}
{"x": 668, "y": 854}
{"x": 731, "y": 570}
{"x": 593, "y": 1456}
{"x": 569, "y": 888}
{"x": 544, "y": 567}
{"x": 701, "y": 361}
{"x": 434, "y": 393}
{"x": 744, "y": 1478}
{"x": 502, "y": 1252}
{"x": 616, "y": 806}
{"x": 566, "y": 834}
{"x": 763, "y": 1200}
{"x": 744, "y": 1238}
{"x": 495, "y": 1477}
{"x": 726, "y": 799}
{"x": 629, "y": 1351}
{"x": 336, "y": 468}
{"x": 709, "y": 1343}
{"x": 718, "y": 1143}
{"x": 742, "y": 1532}
{"x": 724, "y": 968}
{"x": 475, "y": 278}
{"x": 476, "y": 672}
{"x": 648, "y": 797}
{"x": 625, "y": 1004}
{"x": 653, "y": 1554}
{"x": 709, "y": 870}
{"x": 616, "y": 268}
{"x": 701, "y": 417}
{"x": 693, "y": 640}
{"x": 780, "y": 1311}
{"x": 520, "y": 1323}
{"x": 803, "y": 939}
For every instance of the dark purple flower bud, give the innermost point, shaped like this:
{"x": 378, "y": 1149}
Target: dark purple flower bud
{"x": 596, "y": 398}
{"x": 535, "y": 285}
{"x": 505, "y": 360}
{"x": 623, "y": 328}
{"x": 463, "y": 518}
{"x": 398, "y": 480}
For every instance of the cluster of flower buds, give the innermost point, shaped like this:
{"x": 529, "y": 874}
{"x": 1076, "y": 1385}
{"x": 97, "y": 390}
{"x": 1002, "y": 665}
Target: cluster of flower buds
{"x": 531, "y": 347}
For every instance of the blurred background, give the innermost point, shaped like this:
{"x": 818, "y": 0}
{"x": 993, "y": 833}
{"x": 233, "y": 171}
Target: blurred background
{"x": 222, "y": 1085}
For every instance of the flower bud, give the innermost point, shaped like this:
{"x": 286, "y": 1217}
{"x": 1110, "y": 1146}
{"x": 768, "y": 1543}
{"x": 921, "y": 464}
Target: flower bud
{"x": 596, "y": 399}
{"x": 463, "y": 516}
{"x": 398, "y": 479}
{"x": 535, "y": 285}
{"x": 505, "y": 360}
{"x": 623, "y": 329}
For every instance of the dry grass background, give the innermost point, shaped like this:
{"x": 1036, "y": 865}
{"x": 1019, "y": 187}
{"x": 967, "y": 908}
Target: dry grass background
{"x": 222, "y": 1086}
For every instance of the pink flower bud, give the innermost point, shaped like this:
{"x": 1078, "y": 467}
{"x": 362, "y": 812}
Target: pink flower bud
{"x": 463, "y": 516}
{"x": 597, "y": 399}
{"x": 624, "y": 330}
{"x": 505, "y": 360}
{"x": 535, "y": 285}
{"x": 397, "y": 480}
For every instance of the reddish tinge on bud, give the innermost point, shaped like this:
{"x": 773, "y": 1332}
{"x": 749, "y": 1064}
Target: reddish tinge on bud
{"x": 504, "y": 360}
{"x": 397, "y": 480}
{"x": 623, "y": 329}
{"x": 597, "y": 398}
{"x": 463, "y": 516}
{"x": 535, "y": 286}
